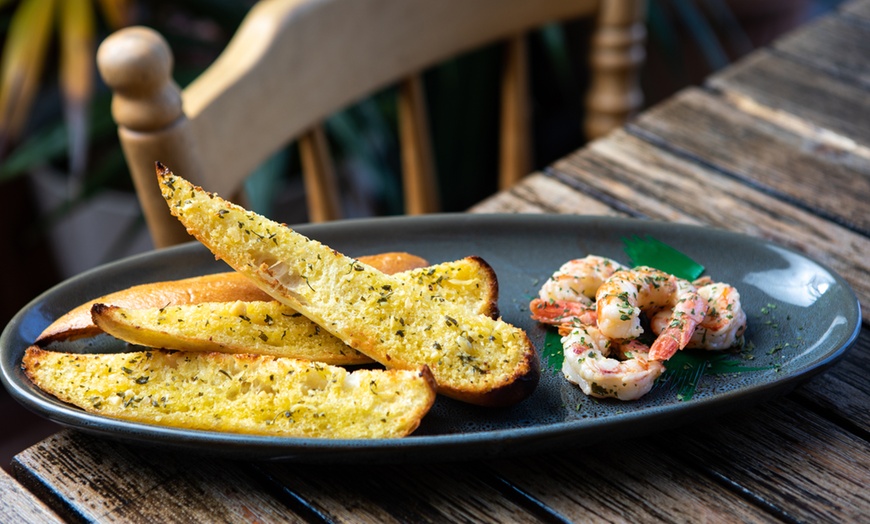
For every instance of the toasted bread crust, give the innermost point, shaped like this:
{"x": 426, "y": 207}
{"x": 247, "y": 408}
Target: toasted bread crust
{"x": 238, "y": 393}
{"x": 260, "y": 328}
{"x": 271, "y": 328}
{"x": 473, "y": 357}
{"x": 491, "y": 308}
{"x": 219, "y": 287}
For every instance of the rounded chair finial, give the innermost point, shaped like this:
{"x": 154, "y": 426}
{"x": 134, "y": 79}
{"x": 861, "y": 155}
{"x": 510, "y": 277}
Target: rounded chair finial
{"x": 136, "y": 63}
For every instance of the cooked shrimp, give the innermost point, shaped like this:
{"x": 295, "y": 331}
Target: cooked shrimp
{"x": 686, "y": 314}
{"x": 563, "y": 314}
{"x": 578, "y": 280}
{"x": 625, "y": 294}
{"x": 723, "y": 324}
{"x": 566, "y": 297}
{"x": 587, "y": 364}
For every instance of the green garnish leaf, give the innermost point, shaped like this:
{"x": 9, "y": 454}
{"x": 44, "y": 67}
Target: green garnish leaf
{"x": 648, "y": 251}
{"x": 553, "y": 353}
{"x": 685, "y": 369}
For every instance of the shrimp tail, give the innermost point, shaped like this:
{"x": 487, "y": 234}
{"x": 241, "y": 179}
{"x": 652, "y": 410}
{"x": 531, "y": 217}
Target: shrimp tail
{"x": 664, "y": 347}
{"x": 688, "y": 313}
{"x": 562, "y": 312}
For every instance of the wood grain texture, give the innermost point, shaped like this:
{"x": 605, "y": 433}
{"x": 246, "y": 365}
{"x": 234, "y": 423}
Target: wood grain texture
{"x": 19, "y": 505}
{"x": 270, "y": 59}
{"x": 628, "y": 481}
{"x": 539, "y": 193}
{"x": 98, "y": 480}
{"x": 789, "y": 459}
{"x": 774, "y": 147}
{"x": 515, "y": 142}
{"x": 321, "y": 184}
{"x": 844, "y": 391}
{"x": 616, "y": 54}
{"x": 709, "y": 131}
{"x": 418, "y": 493}
{"x": 665, "y": 186}
{"x": 419, "y": 181}
{"x": 807, "y": 101}
{"x": 627, "y": 168}
{"x": 836, "y": 44}
{"x": 860, "y": 9}
{"x": 267, "y": 87}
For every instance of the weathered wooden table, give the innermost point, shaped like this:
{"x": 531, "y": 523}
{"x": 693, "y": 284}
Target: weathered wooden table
{"x": 776, "y": 146}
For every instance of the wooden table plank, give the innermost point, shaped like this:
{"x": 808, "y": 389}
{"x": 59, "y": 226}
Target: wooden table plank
{"x": 408, "y": 493}
{"x": 99, "y": 480}
{"x": 838, "y": 44}
{"x": 783, "y": 137}
{"x": 844, "y": 391}
{"x": 830, "y": 181}
{"x": 666, "y": 186}
{"x": 614, "y": 164}
{"x": 785, "y": 457}
{"x": 625, "y": 481}
{"x": 539, "y": 193}
{"x": 799, "y": 97}
{"x": 19, "y": 505}
{"x": 628, "y": 168}
{"x": 857, "y": 8}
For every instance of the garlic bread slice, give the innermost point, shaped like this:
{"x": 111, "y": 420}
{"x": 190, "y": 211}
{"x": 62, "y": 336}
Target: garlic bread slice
{"x": 271, "y": 328}
{"x": 237, "y": 393}
{"x": 473, "y": 357}
{"x": 218, "y": 287}
{"x": 260, "y": 328}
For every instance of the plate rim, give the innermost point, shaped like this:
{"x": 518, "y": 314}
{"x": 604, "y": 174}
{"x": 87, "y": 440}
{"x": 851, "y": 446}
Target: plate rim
{"x": 507, "y": 440}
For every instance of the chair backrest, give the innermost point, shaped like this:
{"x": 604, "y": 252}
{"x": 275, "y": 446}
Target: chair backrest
{"x": 294, "y": 62}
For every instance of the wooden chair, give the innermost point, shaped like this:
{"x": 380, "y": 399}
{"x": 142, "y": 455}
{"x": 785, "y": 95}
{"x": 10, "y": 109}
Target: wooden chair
{"x": 294, "y": 62}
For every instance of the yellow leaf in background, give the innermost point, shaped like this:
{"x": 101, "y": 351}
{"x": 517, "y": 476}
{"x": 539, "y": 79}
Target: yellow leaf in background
{"x": 76, "y": 28}
{"x": 77, "y": 55}
{"x": 23, "y": 58}
{"x": 116, "y": 12}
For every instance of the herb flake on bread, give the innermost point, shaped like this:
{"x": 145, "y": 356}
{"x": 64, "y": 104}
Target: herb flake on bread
{"x": 242, "y": 393}
{"x": 272, "y": 328}
{"x": 219, "y": 287}
{"x": 473, "y": 357}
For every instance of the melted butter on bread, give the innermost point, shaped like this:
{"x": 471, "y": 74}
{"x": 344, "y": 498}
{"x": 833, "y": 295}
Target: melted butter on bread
{"x": 237, "y": 393}
{"x": 272, "y": 328}
{"x": 473, "y": 357}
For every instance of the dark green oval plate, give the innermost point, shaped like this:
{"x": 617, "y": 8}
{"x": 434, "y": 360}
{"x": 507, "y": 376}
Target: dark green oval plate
{"x": 802, "y": 318}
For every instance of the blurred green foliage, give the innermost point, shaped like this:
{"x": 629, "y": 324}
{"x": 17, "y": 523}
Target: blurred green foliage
{"x": 462, "y": 98}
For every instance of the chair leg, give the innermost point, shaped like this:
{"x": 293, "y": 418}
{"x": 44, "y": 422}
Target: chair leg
{"x": 136, "y": 63}
{"x": 318, "y": 173}
{"x": 616, "y": 57}
{"x": 418, "y": 166}
{"x": 515, "y": 158}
